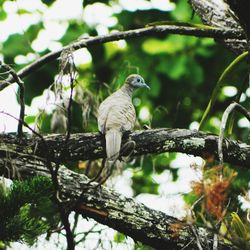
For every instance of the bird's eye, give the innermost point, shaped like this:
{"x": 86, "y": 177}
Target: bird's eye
{"x": 138, "y": 80}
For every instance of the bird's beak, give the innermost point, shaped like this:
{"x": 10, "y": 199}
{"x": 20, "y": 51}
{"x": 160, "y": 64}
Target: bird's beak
{"x": 145, "y": 86}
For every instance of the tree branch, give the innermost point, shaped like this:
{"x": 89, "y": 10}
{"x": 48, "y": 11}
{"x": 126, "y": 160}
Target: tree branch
{"x": 224, "y": 119}
{"x": 218, "y": 14}
{"x": 90, "y": 146}
{"x": 149, "y": 226}
{"x": 142, "y": 32}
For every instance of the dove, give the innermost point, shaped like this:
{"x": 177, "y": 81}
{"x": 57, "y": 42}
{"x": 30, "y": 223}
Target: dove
{"x": 116, "y": 115}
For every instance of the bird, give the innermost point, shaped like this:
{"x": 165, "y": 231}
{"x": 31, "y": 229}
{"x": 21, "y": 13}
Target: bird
{"x": 116, "y": 115}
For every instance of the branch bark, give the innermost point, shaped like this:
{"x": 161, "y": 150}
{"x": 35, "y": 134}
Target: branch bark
{"x": 90, "y": 146}
{"x": 142, "y": 32}
{"x": 110, "y": 208}
{"x": 218, "y": 14}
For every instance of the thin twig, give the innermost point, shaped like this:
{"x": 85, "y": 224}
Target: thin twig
{"x": 196, "y": 202}
{"x": 87, "y": 233}
{"x": 185, "y": 247}
{"x": 72, "y": 81}
{"x": 68, "y": 68}
{"x": 224, "y": 119}
{"x": 198, "y": 242}
{"x": 65, "y": 221}
{"x": 215, "y": 242}
{"x": 76, "y": 217}
{"x": 142, "y": 32}
{"x": 20, "y": 83}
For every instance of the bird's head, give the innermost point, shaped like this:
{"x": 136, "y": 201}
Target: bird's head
{"x": 136, "y": 81}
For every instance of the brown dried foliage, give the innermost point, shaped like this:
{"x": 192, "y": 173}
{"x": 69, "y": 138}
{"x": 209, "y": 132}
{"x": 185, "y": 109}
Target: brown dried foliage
{"x": 215, "y": 189}
{"x": 216, "y": 195}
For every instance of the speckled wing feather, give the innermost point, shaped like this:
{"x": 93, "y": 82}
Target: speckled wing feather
{"x": 116, "y": 112}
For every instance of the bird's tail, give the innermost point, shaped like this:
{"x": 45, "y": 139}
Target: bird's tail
{"x": 113, "y": 144}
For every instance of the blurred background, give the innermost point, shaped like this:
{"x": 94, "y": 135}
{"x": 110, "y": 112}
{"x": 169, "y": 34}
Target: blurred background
{"x": 181, "y": 71}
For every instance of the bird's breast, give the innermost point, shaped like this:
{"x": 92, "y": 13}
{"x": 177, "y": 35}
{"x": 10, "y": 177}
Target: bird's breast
{"x": 116, "y": 114}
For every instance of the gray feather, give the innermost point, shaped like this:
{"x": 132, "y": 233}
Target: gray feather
{"x": 113, "y": 143}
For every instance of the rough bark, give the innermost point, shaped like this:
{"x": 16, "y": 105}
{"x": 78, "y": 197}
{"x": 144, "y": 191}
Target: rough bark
{"x": 90, "y": 146}
{"x": 218, "y": 14}
{"x": 110, "y": 208}
{"x": 241, "y": 10}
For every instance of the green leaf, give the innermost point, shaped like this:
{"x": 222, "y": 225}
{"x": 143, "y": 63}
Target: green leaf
{"x": 15, "y": 45}
{"x": 155, "y": 46}
{"x": 3, "y": 15}
{"x": 175, "y": 66}
{"x": 238, "y": 226}
{"x": 19, "y": 44}
{"x": 155, "y": 86}
{"x": 37, "y": 82}
{"x": 23, "y": 11}
{"x": 30, "y": 119}
{"x": 190, "y": 198}
{"x": 195, "y": 72}
{"x": 182, "y": 12}
{"x": 119, "y": 237}
{"x": 144, "y": 184}
{"x": 140, "y": 246}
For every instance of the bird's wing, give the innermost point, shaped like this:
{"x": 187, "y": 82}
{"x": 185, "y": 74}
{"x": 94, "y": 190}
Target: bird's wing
{"x": 116, "y": 112}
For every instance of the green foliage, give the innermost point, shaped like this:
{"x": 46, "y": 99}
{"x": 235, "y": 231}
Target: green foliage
{"x": 140, "y": 18}
{"x": 3, "y": 14}
{"x": 242, "y": 179}
{"x": 139, "y": 246}
{"x": 190, "y": 198}
{"x": 119, "y": 237}
{"x": 48, "y": 2}
{"x": 182, "y": 72}
{"x": 26, "y": 210}
{"x": 182, "y": 12}
{"x": 35, "y": 84}
{"x": 240, "y": 231}
{"x": 144, "y": 184}
{"x": 30, "y": 119}
{"x": 224, "y": 77}
{"x": 18, "y": 44}
{"x": 74, "y": 31}
{"x": 11, "y": 49}
{"x": 238, "y": 226}
{"x": 143, "y": 181}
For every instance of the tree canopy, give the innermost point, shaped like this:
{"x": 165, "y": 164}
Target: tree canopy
{"x": 65, "y": 62}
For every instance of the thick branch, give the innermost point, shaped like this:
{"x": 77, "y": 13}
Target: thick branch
{"x": 148, "y": 31}
{"x": 110, "y": 208}
{"x": 154, "y": 141}
{"x": 218, "y": 14}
